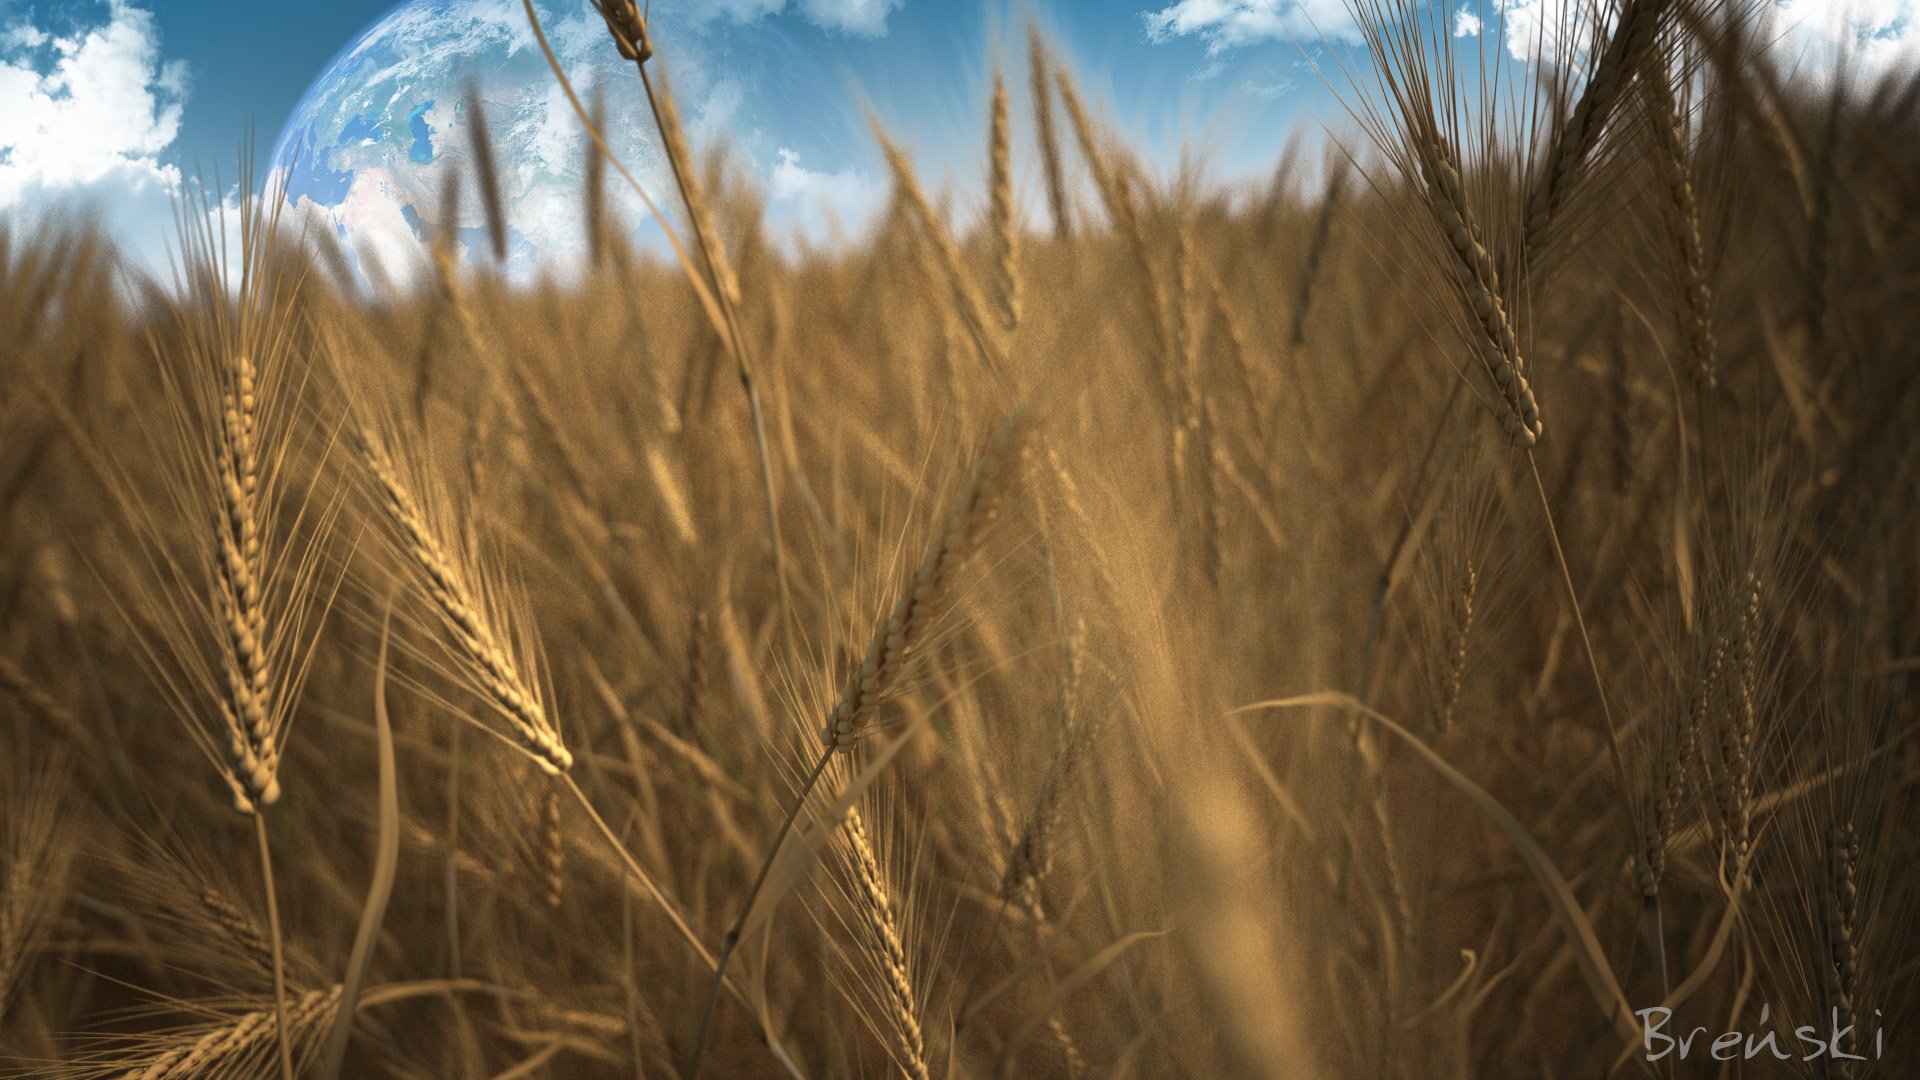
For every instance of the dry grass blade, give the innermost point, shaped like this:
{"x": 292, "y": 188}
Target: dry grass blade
{"x": 385, "y": 867}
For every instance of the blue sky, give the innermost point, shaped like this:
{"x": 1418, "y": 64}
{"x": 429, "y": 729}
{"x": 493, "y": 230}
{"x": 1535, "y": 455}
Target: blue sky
{"x": 115, "y": 104}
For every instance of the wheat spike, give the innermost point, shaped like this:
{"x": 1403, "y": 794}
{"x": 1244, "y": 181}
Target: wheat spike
{"x": 477, "y": 643}
{"x": 244, "y": 1044}
{"x": 553, "y": 847}
{"x": 253, "y": 735}
{"x": 972, "y": 309}
{"x": 1580, "y": 132}
{"x": 1459, "y": 632}
{"x": 1840, "y": 972}
{"x": 1006, "y": 232}
{"x": 1479, "y": 283}
{"x": 895, "y": 642}
{"x": 877, "y": 918}
{"x": 1042, "y": 88}
{"x": 1682, "y": 216}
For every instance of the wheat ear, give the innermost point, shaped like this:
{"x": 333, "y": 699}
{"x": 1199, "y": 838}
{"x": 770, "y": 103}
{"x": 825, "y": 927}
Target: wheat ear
{"x": 895, "y": 641}
{"x": 1459, "y": 632}
{"x": 1310, "y": 275}
{"x": 1840, "y": 971}
{"x": 1683, "y": 225}
{"x": 486, "y": 170}
{"x": 481, "y": 651}
{"x": 878, "y": 920}
{"x": 1737, "y": 737}
{"x": 231, "y": 1048}
{"x": 889, "y": 656}
{"x": 1479, "y": 283}
{"x": 966, "y": 297}
{"x": 1037, "y": 68}
{"x": 553, "y": 847}
{"x": 253, "y": 725}
{"x": 1575, "y": 138}
{"x": 1006, "y": 232}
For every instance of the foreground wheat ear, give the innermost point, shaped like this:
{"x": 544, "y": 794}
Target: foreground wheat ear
{"x": 487, "y": 650}
{"x": 242, "y": 481}
{"x": 233, "y": 658}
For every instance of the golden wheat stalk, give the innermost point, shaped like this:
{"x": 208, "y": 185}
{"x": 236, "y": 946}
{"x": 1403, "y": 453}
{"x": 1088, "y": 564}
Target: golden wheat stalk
{"x": 1042, "y": 89}
{"x": 1576, "y": 136}
{"x": 1006, "y": 230}
{"x": 1479, "y": 285}
{"x": 1682, "y": 216}
{"x": 880, "y": 923}
{"x": 895, "y": 643}
{"x": 487, "y": 658}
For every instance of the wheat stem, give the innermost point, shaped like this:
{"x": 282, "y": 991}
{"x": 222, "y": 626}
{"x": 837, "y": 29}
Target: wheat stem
{"x": 279, "y": 962}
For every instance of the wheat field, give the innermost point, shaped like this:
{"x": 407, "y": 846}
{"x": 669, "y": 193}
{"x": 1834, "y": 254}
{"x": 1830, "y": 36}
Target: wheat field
{"x": 1449, "y": 611}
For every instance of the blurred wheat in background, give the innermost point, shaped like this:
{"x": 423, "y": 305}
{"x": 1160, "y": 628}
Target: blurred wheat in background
{"x": 1422, "y": 618}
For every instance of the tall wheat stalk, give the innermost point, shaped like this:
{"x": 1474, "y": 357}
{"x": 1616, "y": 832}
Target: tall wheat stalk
{"x": 893, "y": 650}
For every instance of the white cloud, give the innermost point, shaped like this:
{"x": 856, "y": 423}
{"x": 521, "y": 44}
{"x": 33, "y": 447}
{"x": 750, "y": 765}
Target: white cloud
{"x": 1466, "y": 24}
{"x": 87, "y": 116}
{"x": 23, "y": 36}
{"x": 1874, "y": 38}
{"x": 745, "y": 10}
{"x": 372, "y": 226}
{"x": 1811, "y": 38}
{"x": 1269, "y": 91}
{"x": 819, "y": 201}
{"x": 1546, "y": 31}
{"x": 859, "y": 18}
{"x": 1230, "y": 24}
{"x": 83, "y": 108}
{"x": 855, "y": 18}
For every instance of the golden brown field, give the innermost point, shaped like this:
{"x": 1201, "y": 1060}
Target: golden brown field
{"x": 1405, "y": 622}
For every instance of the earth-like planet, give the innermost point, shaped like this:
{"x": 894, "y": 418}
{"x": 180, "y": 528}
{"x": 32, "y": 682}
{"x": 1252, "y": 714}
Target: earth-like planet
{"x": 368, "y": 151}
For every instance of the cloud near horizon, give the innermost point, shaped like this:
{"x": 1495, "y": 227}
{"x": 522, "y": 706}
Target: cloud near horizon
{"x": 818, "y": 203}
{"x": 1872, "y": 38}
{"x": 90, "y": 115}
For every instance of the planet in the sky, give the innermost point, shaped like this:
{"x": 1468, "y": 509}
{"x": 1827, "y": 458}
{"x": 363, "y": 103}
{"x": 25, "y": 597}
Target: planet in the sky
{"x": 368, "y": 151}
